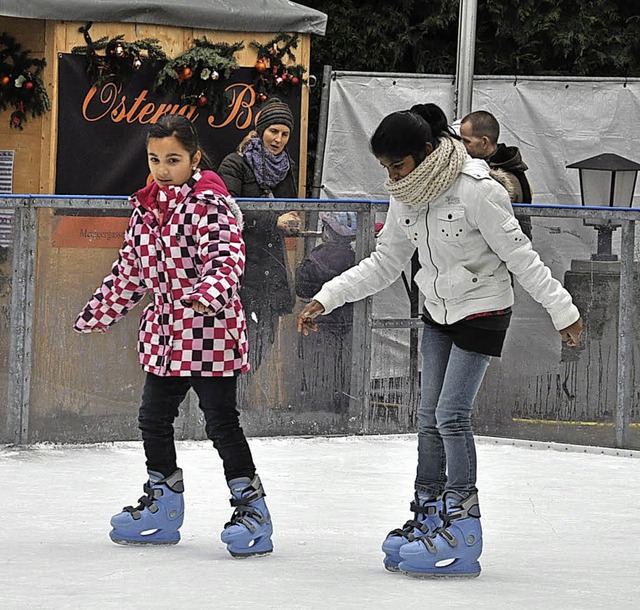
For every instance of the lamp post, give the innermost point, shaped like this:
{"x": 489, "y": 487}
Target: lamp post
{"x": 604, "y": 292}
{"x": 606, "y": 180}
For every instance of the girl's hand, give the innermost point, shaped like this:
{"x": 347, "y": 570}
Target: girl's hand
{"x": 99, "y": 329}
{"x": 571, "y": 334}
{"x": 307, "y": 315}
{"x": 290, "y": 223}
{"x": 198, "y": 307}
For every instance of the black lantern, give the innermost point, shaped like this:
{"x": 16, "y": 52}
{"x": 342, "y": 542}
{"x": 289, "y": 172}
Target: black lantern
{"x": 606, "y": 180}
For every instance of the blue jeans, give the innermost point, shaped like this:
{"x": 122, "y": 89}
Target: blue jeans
{"x": 451, "y": 378}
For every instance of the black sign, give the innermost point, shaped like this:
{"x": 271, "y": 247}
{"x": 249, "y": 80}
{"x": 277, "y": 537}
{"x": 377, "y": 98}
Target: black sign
{"x": 102, "y": 131}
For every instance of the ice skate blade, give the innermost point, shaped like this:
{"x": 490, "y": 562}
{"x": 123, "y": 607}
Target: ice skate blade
{"x": 434, "y": 575}
{"x": 237, "y": 555}
{"x": 454, "y": 570}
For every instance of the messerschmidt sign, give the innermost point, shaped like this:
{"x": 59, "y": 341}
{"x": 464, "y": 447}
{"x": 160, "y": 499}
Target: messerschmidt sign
{"x": 101, "y": 130}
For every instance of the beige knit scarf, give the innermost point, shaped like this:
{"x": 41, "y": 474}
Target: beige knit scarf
{"x": 432, "y": 177}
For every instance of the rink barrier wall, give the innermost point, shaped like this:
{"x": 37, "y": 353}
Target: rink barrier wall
{"x": 31, "y": 331}
{"x": 561, "y": 447}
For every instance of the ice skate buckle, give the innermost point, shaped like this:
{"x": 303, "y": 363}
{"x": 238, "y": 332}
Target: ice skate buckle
{"x": 147, "y": 501}
{"x": 243, "y": 515}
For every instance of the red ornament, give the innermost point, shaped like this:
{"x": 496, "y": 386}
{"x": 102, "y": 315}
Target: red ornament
{"x": 5, "y": 80}
{"x": 187, "y": 73}
{"x": 260, "y": 66}
{"x": 202, "y": 101}
{"x": 262, "y": 97}
{"x": 295, "y": 80}
{"x": 28, "y": 85}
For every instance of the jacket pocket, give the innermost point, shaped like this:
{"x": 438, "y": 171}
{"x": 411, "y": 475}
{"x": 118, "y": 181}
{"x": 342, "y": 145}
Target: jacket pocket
{"x": 451, "y": 225}
{"x": 234, "y": 329}
{"x": 476, "y": 284}
{"x": 409, "y": 223}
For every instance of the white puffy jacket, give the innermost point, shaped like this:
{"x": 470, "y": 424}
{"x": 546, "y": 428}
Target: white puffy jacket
{"x": 468, "y": 240}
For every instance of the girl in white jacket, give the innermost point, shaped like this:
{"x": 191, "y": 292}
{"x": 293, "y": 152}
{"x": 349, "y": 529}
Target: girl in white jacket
{"x": 445, "y": 205}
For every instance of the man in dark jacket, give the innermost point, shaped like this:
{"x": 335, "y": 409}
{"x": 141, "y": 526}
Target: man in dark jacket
{"x": 479, "y": 132}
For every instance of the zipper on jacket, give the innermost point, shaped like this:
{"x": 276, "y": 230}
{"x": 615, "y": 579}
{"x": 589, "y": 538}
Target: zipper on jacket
{"x": 435, "y": 291}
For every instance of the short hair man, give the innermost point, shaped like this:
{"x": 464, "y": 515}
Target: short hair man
{"x": 480, "y": 132}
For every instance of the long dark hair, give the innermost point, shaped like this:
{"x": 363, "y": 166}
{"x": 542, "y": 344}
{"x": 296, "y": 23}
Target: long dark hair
{"x": 434, "y": 115}
{"x": 401, "y": 134}
{"x": 181, "y": 128}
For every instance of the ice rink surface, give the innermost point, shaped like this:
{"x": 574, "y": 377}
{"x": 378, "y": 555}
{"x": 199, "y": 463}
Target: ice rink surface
{"x": 561, "y": 529}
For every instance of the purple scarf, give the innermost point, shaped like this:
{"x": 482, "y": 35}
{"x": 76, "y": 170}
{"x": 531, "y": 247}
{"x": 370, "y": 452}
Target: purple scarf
{"x": 269, "y": 169}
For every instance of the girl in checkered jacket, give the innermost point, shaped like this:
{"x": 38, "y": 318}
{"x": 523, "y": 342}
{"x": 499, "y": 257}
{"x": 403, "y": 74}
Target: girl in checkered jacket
{"x": 184, "y": 248}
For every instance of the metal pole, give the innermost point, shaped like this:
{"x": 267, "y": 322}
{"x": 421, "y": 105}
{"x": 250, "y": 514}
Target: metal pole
{"x": 323, "y": 119}
{"x": 21, "y": 320}
{"x": 624, "y": 397}
{"x": 466, "y": 56}
{"x": 362, "y": 329}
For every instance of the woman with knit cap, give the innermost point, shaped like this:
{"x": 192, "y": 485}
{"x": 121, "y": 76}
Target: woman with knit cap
{"x": 460, "y": 220}
{"x": 261, "y": 167}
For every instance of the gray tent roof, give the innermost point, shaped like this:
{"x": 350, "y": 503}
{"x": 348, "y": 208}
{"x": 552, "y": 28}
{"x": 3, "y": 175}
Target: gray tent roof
{"x": 235, "y": 15}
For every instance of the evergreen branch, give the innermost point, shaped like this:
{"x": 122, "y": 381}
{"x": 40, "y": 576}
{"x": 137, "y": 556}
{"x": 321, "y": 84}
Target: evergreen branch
{"x": 21, "y": 85}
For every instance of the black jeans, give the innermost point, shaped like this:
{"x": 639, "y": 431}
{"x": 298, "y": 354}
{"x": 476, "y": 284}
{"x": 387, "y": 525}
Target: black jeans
{"x": 161, "y": 398}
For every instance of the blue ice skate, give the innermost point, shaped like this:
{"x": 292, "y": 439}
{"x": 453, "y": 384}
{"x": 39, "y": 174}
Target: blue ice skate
{"x": 427, "y": 519}
{"x": 454, "y": 548}
{"x": 249, "y": 531}
{"x": 158, "y": 516}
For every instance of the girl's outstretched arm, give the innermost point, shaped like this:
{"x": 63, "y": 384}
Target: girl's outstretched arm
{"x": 117, "y": 294}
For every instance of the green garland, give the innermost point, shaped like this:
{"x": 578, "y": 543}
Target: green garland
{"x": 198, "y": 75}
{"x": 121, "y": 59}
{"x": 272, "y": 75}
{"x": 21, "y": 85}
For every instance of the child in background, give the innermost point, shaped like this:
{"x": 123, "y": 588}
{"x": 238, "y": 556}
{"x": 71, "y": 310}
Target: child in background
{"x": 184, "y": 246}
{"x": 333, "y": 256}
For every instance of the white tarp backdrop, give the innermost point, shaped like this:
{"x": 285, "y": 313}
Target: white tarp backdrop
{"x": 553, "y": 122}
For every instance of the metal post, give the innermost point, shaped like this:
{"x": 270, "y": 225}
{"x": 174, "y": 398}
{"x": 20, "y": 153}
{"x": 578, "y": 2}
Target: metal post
{"x": 466, "y": 57}
{"x": 362, "y": 329}
{"x": 21, "y": 319}
{"x": 625, "y": 335}
{"x": 323, "y": 119}
{"x": 605, "y": 235}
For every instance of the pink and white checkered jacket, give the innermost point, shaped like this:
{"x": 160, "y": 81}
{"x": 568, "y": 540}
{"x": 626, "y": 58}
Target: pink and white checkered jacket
{"x": 195, "y": 252}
